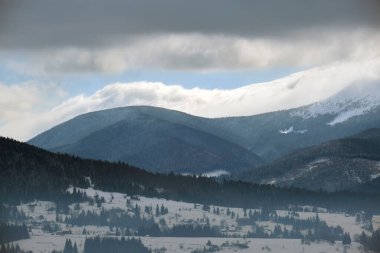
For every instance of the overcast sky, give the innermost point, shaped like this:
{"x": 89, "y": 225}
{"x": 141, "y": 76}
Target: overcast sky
{"x": 60, "y": 58}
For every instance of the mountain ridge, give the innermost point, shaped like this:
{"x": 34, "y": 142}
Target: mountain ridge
{"x": 28, "y": 173}
{"x": 265, "y": 136}
{"x": 334, "y": 165}
{"x": 138, "y": 136}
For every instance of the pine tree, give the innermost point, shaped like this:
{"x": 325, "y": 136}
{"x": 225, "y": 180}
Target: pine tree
{"x": 75, "y": 249}
{"x": 68, "y": 247}
{"x": 157, "y": 211}
{"x": 363, "y": 238}
{"x": 162, "y": 209}
{"x": 346, "y": 240}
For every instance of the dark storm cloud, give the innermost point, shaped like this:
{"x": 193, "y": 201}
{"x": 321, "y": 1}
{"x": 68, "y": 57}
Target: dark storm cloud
{"x": 100, "y": 23}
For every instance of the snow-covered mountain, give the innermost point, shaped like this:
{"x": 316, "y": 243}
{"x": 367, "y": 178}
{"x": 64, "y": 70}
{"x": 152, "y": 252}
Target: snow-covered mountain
{"x": 271, "y": 135}
{"x": 355, "y": 100}
{"x": 160, "y": 139}
{"x": 298, "y": 89}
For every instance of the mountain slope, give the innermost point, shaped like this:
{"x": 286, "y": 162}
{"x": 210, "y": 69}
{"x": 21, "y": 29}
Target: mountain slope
{"x": 334, "y": 165}
{"x": 28, "y": 173}
{"x": 272, "y": 135}
{"x": 171, "y": 140}
{"x": 152, "y": 138}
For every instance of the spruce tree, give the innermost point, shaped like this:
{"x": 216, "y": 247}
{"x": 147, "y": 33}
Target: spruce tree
{"x": 157, "y": 211}
{"x": 346, "y": 240}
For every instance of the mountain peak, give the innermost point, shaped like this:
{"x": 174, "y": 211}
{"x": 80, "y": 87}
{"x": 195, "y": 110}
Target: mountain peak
{"x": 355, "y": 100}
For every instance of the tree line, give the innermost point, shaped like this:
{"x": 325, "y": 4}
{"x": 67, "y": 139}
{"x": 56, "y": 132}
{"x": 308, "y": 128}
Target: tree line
{"x": 10, "y": 233}
{"x": 28, "y": 173}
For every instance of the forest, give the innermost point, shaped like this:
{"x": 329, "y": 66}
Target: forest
{"x": 28, "y": 172}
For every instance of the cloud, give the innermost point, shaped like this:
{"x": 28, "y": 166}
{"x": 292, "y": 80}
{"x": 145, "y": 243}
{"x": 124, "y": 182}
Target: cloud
{"x": 21, "y": 105}
{"x": 76, "y": 36}
{"x": 311, "y": 86}
{"x": 197, "y": 52}
{"x": 96, "y": 23}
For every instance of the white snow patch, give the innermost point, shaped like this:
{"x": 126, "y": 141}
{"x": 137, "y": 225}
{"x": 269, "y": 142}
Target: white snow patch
{"x": 344, "y": 116}
{"x": 216, "y": 173}
{"x": 292, "y": 130}
{"x": 287, "y": 131}
{"x": 374, "y": 176}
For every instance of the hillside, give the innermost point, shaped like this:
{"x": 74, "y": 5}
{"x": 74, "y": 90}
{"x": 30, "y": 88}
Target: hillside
{"x": 152, "y": 138}
{"x": 333, "y": 165}
{"x": 27, "y": 173}
{"x": 163, "y": 140}
{"x": 272, "y": 135}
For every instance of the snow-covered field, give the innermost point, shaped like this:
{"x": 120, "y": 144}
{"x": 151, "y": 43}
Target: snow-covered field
{"x": 47, "y": 243}
{"x": 180, "y": 213}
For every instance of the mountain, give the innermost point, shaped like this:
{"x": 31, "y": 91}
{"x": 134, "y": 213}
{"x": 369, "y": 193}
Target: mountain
{"x": 28, "y": 173}
{"x": 161, "y": 140}
{"x": 272, "y": 135}
{"x": 372, "y": 186}
{"x": 333, "y": 165}
{"x": 151, "y": 138}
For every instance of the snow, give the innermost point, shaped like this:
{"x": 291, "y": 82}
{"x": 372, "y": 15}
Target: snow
{"x": 376, "y": 175}
{"x": 314, "y": 164}
{"x": 39, "y": 210}
{"x": 47, "y": 243}
{"x": 292, "y": 130}
{"x": 216, "y": 173}
{"x": 376, "y": 222}
{"x": 287, "y": 131}
{"x": 182, "y": 213}
{"x": 353, "y": 101}
{"x": 346, "y": 115}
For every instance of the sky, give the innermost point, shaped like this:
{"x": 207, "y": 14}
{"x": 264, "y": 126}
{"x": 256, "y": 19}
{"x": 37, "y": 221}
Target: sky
{"x": 213, "y": 58}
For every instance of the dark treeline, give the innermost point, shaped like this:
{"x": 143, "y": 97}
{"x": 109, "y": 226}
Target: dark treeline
{"x": 9, "y": 233}
{"x": 317, "y": 230}
{"x": 126, "y": 224}
{"x": 320, "y": 232}
{"x": 181, "y": 230}
{"x": 11, "y": 248}
{"x": 292, "y": 219}
{"x": 11, "y": 214}
{"x": 113, "y": 218}
{"x": 278, "y": 232}
{"x": 27, "y": 172}
{"x": 371, "y": 242}
{"x": 70, "y": 247}
{"x": 105, "y": 245}
{"x": 63, "y": 199}
{"x": 188, "y": 230}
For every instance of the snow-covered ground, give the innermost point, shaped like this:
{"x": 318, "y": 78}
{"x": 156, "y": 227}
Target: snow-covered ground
{"x": 180, "y": 213}
{"x": 47, "y": 243}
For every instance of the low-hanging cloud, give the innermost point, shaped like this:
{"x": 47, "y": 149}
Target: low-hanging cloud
{"x": 292, "y": 91}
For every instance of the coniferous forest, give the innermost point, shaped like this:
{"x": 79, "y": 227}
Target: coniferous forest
{"x": 29, "y": 175}
{"x": 28, "y": 172}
